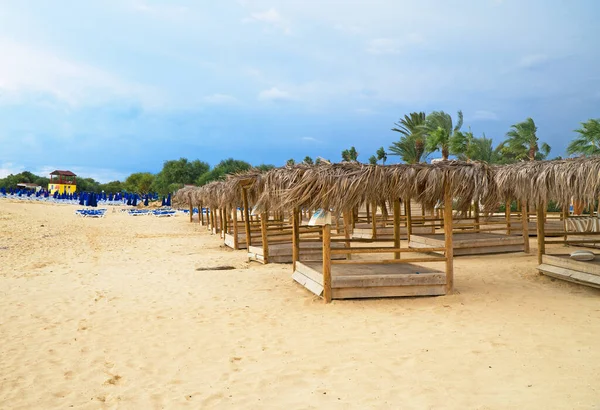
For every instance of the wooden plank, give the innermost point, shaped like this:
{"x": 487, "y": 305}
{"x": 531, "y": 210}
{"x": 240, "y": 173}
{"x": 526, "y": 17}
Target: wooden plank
{"x": 387, "y": 261}
{"x": 589, "y": 267}
{"x": 374, "y": 220}
{"x": 507, "y": 207}
{"x": 327, "y": 263}
{"x": 409, "y": 219}
{"x": 391, "y": 291}
{"x": 570, "y": 275}
{"x": 236, "y": 229}
{"x": 265, "y": 241}
{"x": 448, "y": 238}
{"x": 295, "y": 237}
{"x": 310, "y": 272}
{"x": 381, "y": 250}
{"x": 357, "y": 281}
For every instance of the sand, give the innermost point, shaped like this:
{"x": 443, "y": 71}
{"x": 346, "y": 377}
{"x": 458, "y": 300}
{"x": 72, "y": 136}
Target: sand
{"x": 114, "y": 313}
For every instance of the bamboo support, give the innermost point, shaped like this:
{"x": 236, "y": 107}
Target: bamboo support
{"x": 327, "y": 263}
{"x": 397, "y": 227}
{"x": 448, "y": 238}
{"x": 374, "y": 221}
{"x": 246, "y": 218}
{"x": 540, "y": 233}
{"x": 191, "y": 211}
{"x": 525, "y": 222}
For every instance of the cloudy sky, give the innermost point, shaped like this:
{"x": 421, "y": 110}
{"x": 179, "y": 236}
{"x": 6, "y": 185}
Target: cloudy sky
{"x": 106, "y": 88}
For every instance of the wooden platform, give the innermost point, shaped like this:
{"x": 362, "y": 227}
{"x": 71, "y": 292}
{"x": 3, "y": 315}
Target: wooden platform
{"x": 565, "y": 268}
{"x": 282, "y": 252}
{"x": 471, "y": 243}
{"x": 241, "y": 240}
{"x": 372, "y": 281}
{"x": 517, "y": 226}
{"x": 365, "y": 231}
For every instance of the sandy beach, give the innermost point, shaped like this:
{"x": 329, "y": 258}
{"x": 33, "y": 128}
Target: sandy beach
{"x": 125, "y": 312}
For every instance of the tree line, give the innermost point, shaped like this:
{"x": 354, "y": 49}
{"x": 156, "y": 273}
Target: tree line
{"x": 174, "y": 175}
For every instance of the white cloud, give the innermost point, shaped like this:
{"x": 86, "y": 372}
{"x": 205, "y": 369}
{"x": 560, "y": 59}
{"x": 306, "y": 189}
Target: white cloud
{"x": 272, "y": 18}
{"x": 533, "y": 60}
{"x": 309, "y": 139}
{"x": 221, "y": 99}
{"x": 274, "y": 94}
{"x": 393, "y": 45}
{"x": 484, "y": 115}
{"x": 7, "y": 168}
{"x": 33, "y": 70}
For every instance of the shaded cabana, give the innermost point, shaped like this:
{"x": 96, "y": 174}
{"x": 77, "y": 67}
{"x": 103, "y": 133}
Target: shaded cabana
{"x": 563, "y": 182}
{"x": 340, "y": 188}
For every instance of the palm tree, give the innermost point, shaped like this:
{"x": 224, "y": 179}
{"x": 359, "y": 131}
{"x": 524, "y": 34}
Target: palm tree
{"x": 373, "y": 160}
{"x": 588, "y": 142}
{"x": 463, "y": 145}
{"x": 290, "y": 162}
{"x": 440, "y": 131}
{"x": 411, "y": 146}
{"x": 308, "y": 160}
{"x": 523, "y": 143}
{"x": 350, "y": 155}
{"x": 381, "y": 155}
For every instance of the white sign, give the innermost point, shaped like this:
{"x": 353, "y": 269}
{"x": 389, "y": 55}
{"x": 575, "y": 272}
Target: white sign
{"x": 320, "y": 218}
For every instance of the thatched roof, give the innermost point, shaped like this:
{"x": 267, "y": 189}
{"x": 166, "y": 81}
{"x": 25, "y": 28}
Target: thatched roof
{"x": 344, "y": 186}
{"x": 539, "y": 182}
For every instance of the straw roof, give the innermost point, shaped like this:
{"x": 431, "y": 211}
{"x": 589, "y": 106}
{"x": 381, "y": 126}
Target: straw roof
{"x": 539, "y": 182}
{"x": 344, "y": 186}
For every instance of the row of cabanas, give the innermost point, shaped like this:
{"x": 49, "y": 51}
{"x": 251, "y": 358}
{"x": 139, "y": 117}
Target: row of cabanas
{"x": 291, "y": 192}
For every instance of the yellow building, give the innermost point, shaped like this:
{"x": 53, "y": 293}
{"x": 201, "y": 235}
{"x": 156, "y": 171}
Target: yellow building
{"x": 63, "y": 182}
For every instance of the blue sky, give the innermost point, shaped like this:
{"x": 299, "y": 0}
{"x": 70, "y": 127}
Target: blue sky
{"x": 106, "y": 88}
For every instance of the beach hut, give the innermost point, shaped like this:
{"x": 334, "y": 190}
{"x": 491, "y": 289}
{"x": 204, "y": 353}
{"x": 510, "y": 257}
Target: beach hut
{"x": 341, "y": 188}
{"x": 62, "y": 181}
{"x": 563, "y": 181}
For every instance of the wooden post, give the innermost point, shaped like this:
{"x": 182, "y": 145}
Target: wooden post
{"x": 225, "y": 222}
{"x": 525, "y": 232}
{"x": 191, "y": 210}
{"x": 368, "y": 214}
{"x": 374, "y": 221}
{"x": 327, "y": 263}
{"x": 507, "y": 216}
{"x": 201, "y": 211}
{"x": 347, "y": 223}
{"x": 236, "y": 230}
{"x": 408, "y": 212}
{"x": 396, "y": 227}
{"x": 541, "y": 232}
{"x": 565, "y": 215}
{"x": 263, "y": 231}
{"x": 295, "y": 238}
{"x": 212, "y": 220}
{"x": 448, "y": 239}
{"x": 246, "y": 218}
{"x": 476, "y": 215}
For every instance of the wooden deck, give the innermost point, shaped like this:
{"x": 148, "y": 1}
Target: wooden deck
{"x": 471, "y": 243}
{"x": 365, "y": 231}
{"x": 256, "y": 238}
{"x": 565, "y": 268}
{"x": 372, "y": 281}
{"x": 282, "y": 252}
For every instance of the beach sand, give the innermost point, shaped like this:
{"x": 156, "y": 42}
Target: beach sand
{"x": 114, "y": 313}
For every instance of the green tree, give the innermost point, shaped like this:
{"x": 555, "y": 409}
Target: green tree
{"x": 411, "y": 146}
{"x": 522, "y": 143}
{"x": 588, "y": 141}
{"x": 264, "y": 167}
{"x": 139, "y": 182}
{"x": 178, "y": 172}
{"x": 381, "y": 155}
{"x": 227, "y": 166}
{"x": 350, "y": 155}
{"x": 373, "y": 160}
{"x": 308, "y": 160}
{"x": 112, "y": 186}
{"x": 290, "y": 162}
{"x": 440, "y": 130}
